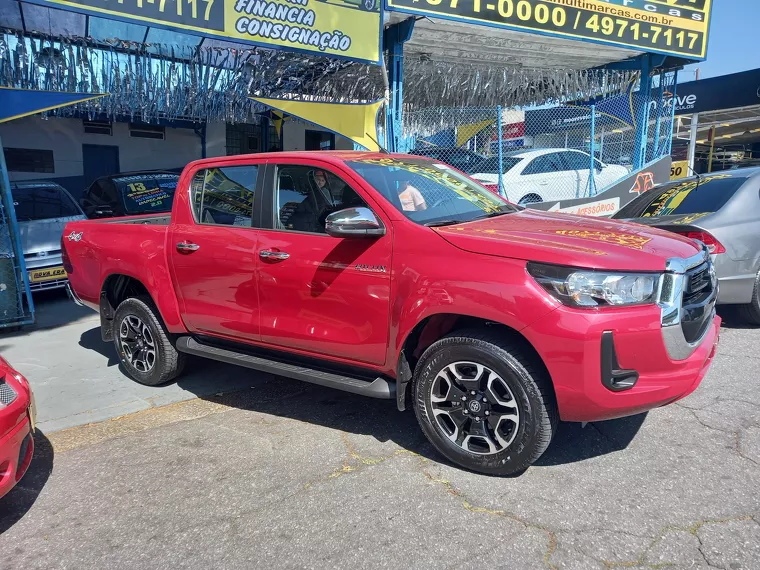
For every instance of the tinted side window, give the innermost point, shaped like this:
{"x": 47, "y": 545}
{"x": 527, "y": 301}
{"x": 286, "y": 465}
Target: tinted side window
{"x": 224, "y": 196}
{"x": 543, "y": 164}
{"x": 576, "y": 161}
{"x": 42, "y": 202}
{"x": 305, "y": 196}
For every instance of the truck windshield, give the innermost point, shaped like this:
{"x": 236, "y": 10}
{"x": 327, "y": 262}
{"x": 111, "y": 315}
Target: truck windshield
{"x": 147, "y": 193}
{"x": 42, "y": 202}
{"x": 430, "y": 193}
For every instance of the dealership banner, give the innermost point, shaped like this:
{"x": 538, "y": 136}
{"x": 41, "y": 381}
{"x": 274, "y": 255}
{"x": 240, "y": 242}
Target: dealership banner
{"x": 616, "y": 196}
{"x": 341, "y": 28}
{"x": 673, "y": 27}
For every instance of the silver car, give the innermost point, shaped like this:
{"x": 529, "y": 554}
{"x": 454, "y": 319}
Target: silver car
{"x": 723, "y": 211}
{"x": 42, "y": 210}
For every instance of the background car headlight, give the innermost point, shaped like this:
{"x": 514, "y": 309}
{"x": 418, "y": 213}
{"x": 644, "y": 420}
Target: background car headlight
{"x": 584, "y": 288}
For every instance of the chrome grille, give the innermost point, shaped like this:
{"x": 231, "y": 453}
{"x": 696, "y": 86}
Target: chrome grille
{"x": 7, "y": 394}
{"x": 698, "y": 301}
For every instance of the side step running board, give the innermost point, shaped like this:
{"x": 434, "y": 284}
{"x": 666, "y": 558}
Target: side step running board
{"x": 378, "y": 388}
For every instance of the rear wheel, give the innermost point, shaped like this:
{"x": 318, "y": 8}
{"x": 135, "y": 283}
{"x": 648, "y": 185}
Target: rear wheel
{"x": 368, "y": 5}
{"x": 143, "y": 344}
{"x": 751, "y": 311}
{"x": 484, "y": 403}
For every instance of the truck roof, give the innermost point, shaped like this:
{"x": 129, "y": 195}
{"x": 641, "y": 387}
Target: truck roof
{"x": 328, "y": 155}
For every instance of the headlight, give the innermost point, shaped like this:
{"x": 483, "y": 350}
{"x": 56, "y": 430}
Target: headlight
{"x": 585, "y": 288}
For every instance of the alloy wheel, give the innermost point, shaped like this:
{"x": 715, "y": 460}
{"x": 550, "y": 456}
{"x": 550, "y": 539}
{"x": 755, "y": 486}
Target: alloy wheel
{"x": 474, "y": 408}
{"x": 137, "y": 343}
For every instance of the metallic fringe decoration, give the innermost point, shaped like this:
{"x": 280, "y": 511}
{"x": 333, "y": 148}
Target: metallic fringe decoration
{"x": 152, "y": 81}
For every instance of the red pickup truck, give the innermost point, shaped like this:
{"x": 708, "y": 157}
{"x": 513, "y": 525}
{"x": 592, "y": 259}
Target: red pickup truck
{"x": 398, "y": 277}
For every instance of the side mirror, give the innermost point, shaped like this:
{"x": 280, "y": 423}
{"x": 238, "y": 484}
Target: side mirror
{"x": 354, "y": 222}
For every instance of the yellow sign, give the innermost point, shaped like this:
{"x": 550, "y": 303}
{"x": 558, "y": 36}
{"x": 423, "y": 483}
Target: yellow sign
{"x": 355, "y": 121}
{"x": 673, "y": 27}
{"x": 679, "y": 169}
{"x": 47, "y": 274}
{"x": 338, "y": 28}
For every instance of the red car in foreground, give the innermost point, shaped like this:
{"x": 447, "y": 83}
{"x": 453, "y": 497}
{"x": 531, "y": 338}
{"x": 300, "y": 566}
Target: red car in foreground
{"x": 398, "y": 277}
{"x": 16, "y": 426}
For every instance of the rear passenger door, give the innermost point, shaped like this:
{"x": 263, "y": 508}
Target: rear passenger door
{"x": 213, "y": 252}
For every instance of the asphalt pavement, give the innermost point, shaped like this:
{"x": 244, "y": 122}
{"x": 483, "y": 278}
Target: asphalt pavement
{"x": 230, "y": 469}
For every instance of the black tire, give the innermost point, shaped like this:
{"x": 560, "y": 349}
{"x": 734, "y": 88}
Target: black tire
{"x": 167, "y": 362}
{"x": 368, "y": 5}
{"x": 531, "y": 392}
{"x": 750, "y": 313}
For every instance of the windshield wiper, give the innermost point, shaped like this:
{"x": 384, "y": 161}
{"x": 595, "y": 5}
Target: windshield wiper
{"x": 490, "y": 215}
{"x": 438, "y": 223}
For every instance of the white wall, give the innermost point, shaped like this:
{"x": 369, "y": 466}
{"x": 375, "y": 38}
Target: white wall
{"x": 65, "y": 138}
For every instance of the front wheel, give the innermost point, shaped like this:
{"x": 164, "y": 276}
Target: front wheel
{"x": 484, "y": 403}
{"x": 143, "y": 344}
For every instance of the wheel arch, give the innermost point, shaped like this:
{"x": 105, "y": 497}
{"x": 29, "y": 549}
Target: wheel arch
{"x": 436, "y": 326}
{"x": 118, "y": 287}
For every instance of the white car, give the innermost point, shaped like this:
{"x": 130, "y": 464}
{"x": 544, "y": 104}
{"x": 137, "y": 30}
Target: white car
{"x": 548, "y": 174}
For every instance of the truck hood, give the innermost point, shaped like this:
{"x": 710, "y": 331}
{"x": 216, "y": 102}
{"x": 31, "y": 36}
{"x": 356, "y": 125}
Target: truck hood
{"x": 564, "y": 239}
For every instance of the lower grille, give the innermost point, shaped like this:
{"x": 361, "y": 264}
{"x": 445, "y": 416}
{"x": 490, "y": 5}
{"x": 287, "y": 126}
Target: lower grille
{"x": 44, "y": 285}
{"x": 7, "y": 394}
{"x": 698, "y": 302}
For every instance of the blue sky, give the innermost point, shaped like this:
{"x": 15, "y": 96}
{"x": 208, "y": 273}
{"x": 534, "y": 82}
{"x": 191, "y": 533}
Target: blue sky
{"x": 734, "y": 40}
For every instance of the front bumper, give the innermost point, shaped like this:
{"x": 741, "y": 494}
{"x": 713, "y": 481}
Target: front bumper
{"x": 570, "y": 343}
{"x": 16, "y": 450}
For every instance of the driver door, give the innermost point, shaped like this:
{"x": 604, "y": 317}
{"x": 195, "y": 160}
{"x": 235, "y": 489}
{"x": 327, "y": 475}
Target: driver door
{"x": 317, "y": 293}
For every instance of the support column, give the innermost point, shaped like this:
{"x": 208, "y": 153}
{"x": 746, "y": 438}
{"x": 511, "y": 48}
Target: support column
{"x": 642, "y": 122}
{"x": 500, "y": 135}
{"x": 393, "y": 41}
{"x": 673, "y": 111}
{"x": 592, "y": 145}
{"x": 23, "y": 292}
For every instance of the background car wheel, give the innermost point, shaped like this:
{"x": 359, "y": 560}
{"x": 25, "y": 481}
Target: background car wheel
{"x": 751, "y": 312}
{"x": 144, "y": 346}
{"x": 484, "y": 402}
{"x": 368, "y": 5}
{"x": 530, "y": 199}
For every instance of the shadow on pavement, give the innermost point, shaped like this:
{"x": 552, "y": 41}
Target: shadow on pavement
{"x": 245, "y": 389}
{"x": 732, "y": 319}
{"x": 380, "y": 419}
{"x": 91, "y": 340}
{"x": 17, "y": 503}
{"x": 575, "y": 442}
{"x": 52, "y": 309}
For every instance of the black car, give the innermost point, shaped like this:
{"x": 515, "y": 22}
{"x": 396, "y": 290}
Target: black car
{"x": 130, "y": 194}
{"x": 460, "y": 158}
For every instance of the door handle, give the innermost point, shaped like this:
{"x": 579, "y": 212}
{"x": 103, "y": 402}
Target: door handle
{"x": 273, "y": 255}
{"x": 187, "y": 247}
